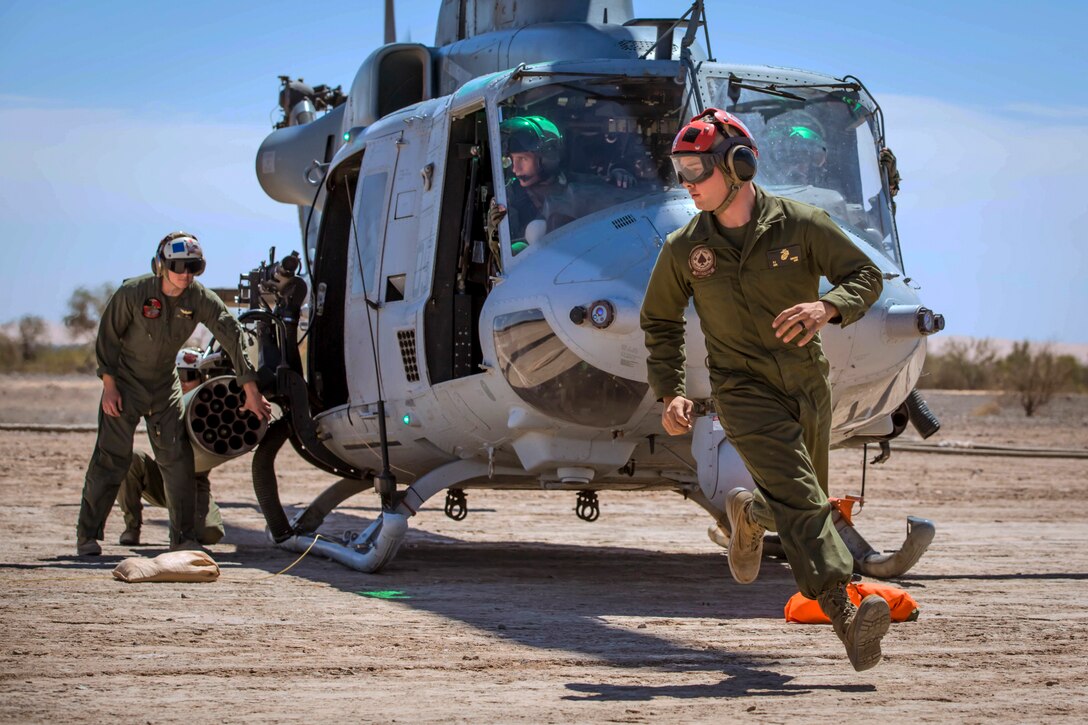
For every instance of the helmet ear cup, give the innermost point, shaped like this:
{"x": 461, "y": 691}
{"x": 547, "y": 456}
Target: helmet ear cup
{"x": 157, "y": 262}
{"x": 549, "y": 155}
{"x": 741, "y": 163}
{"x": 549, "y": 147}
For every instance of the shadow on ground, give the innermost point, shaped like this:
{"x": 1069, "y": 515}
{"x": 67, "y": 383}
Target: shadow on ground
{"x": 624, "y": 607}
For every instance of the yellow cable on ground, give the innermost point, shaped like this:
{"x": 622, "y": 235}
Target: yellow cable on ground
{"x": 291, "y": 565}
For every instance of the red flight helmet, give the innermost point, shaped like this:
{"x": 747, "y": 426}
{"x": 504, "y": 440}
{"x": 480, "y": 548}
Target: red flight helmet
{"x": 714, "y": 138}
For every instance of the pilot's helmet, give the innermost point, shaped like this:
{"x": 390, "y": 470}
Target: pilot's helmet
{"x": 613, "y": 121}
{"x": 178, "y": 252}
{"x": 714, "y": 139}
{"x": 795, "y": 139}
{"x": 533, "y": 134}
{"x": 188, "y": 364}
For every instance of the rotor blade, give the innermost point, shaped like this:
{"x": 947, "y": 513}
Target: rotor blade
{"x": 390, "y": 23}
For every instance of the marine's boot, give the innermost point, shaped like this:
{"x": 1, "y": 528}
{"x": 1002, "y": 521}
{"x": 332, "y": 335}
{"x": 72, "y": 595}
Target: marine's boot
{"x": 188, "y": 545}
{"x": 860, "y": 628}
{"x": 130, "y": 536}
{"x": 719, "y": 534}
{"x": 746, "y": 536}
{"x": 86, "y": 546}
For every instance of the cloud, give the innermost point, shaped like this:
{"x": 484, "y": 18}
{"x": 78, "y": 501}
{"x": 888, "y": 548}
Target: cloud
{"x": 86, "y": 192}
{"x": 991, "y": 216}
{"x": 988, "y": 154}
{"x": 1075, "y": 113}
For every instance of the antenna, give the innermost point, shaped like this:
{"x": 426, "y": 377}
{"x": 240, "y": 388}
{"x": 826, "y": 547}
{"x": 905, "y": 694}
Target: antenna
{"x": 385, "y": 483}
{"x": 390, "y": 23}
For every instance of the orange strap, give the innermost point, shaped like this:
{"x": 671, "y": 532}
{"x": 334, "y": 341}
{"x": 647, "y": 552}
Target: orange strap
{"x": 807, "y": 611}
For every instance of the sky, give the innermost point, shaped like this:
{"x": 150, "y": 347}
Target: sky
{"x": 122, "y": 120}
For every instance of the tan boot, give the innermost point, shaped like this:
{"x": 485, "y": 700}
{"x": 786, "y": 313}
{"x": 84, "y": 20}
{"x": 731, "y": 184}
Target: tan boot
{"x": 746, "y": 536}
{"x": 860, "y": 628}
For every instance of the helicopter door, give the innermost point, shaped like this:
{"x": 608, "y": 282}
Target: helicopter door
{"x": 371, "y": 207}
{"x": 401, "y": 241}
{"x": 463, "y": 259}
{"x": 325, "y": 352}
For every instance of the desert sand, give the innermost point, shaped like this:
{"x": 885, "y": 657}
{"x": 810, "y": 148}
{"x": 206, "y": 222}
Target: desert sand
{"x": 524, "y": 613}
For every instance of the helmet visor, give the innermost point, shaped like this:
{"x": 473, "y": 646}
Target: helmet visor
{"x": 695, "y": 168}
{"x": 189, "y": 375}
{"x": 181, "y": 266}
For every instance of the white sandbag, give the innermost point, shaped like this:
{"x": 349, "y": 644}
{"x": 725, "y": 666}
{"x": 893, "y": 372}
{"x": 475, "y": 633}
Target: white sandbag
{"x": 173, "y": 566}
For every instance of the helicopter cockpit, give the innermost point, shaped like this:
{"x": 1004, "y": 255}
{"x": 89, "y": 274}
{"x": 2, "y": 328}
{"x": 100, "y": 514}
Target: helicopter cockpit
{"x": 818, "y": 143}
{"x": 576, "y": 146}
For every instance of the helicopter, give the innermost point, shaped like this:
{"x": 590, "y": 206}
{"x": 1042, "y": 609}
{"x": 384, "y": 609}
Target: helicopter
{"x": 444, "y": 352}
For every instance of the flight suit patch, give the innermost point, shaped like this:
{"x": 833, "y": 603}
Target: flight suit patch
{"x": 152, "y": 308}
{"x": 702, "y": 262}
{"x": 783, "y": 257}
{"x": 182, "y": 312}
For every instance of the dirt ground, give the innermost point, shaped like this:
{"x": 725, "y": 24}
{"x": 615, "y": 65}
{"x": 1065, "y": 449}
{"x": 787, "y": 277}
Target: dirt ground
{"x": 524, "y": 613}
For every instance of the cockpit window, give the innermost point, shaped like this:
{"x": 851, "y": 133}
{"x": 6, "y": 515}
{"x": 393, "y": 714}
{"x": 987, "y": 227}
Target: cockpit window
{"x": 820, "y": 147}
{"x": 577, "y": 146}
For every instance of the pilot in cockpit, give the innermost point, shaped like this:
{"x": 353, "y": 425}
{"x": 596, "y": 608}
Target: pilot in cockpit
{"x": 795, "y": 149}
{"x": 532, "y": 147}
{"x": 540, "y": 195}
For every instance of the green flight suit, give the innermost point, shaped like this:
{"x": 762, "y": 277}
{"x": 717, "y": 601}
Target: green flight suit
{"x": 139, "y": 336}
{"x": 774, "y": 398}
{"x": 143, "y": 482}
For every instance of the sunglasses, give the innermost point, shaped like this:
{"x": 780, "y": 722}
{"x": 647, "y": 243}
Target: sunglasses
{"x": 181, "y": 266}
{"x": 188, "y": 375}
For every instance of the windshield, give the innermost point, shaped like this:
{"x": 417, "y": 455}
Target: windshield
{"x": 575, "y": 147}
{"x": 819, "y": 147}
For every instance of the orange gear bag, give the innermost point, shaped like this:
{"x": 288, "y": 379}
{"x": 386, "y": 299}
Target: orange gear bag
{"x": 803, "y": 610}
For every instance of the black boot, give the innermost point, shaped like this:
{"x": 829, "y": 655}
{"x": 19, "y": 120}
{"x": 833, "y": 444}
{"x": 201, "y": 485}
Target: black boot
{"x": 130, "y": 536}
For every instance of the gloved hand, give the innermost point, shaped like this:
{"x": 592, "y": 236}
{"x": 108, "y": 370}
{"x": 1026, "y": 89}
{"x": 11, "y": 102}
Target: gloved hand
{"x": 496, "y": 212}
{"x": 887, "y": 160}
{"x": 622, "y": 178}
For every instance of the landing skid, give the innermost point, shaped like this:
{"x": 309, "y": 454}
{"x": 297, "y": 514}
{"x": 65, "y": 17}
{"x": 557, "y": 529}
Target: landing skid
{"x": 870, "y": 562}
{"x": 867, "y": 560}
{"x": 368, "y": 552}
{"x": 374, "y": 547}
